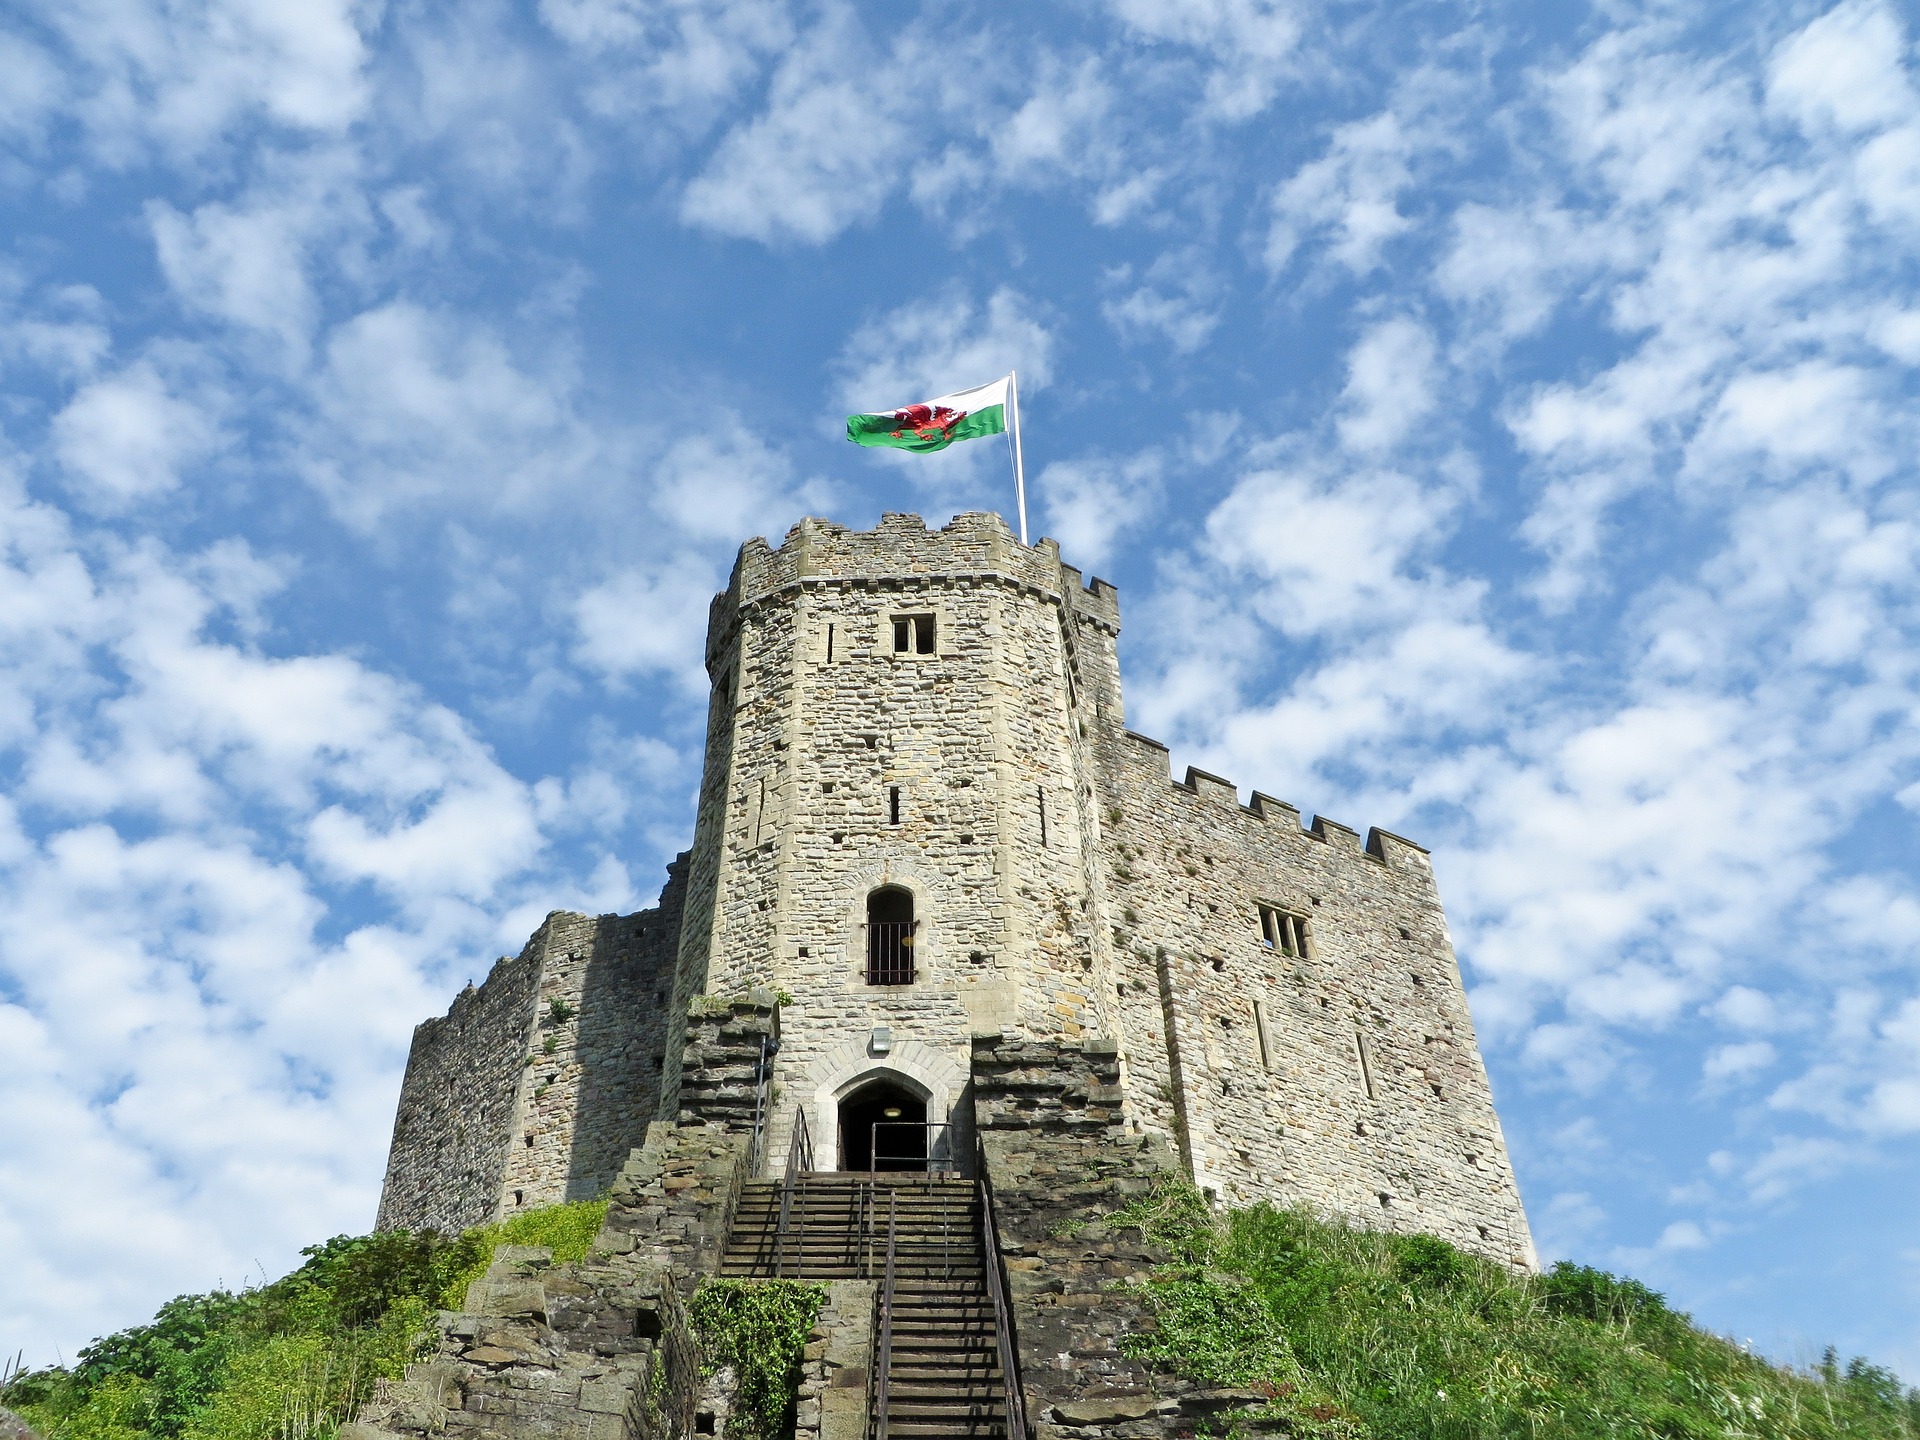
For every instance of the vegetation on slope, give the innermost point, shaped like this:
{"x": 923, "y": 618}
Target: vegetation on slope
{"x": 1354, "y": 1333}
{"x": 289, "y": 1360}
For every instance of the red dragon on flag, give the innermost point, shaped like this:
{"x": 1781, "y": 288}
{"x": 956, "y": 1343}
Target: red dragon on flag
{"x": 928, "y": 422}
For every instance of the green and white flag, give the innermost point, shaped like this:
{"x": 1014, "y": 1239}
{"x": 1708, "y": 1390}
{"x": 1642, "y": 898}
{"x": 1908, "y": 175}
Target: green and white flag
{"x": 936, "y": 424}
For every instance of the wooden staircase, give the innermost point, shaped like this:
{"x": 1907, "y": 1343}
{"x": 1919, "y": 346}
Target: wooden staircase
{"x": 937, "y": 1353}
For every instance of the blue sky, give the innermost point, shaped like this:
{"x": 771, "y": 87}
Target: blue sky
{"x": 1500, "y": 421}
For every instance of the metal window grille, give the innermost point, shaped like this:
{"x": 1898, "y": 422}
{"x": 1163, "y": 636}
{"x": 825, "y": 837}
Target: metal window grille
{"x": 890, "y": 951}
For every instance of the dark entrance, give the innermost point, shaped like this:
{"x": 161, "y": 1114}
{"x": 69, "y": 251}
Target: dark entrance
{"x": 883, "y": 1127}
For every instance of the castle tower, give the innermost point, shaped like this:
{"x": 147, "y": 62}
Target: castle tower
{"x": 922, "y": 822}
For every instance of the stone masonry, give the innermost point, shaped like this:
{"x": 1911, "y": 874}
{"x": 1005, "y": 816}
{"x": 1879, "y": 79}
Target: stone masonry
{"x": 1277, "y": 1009}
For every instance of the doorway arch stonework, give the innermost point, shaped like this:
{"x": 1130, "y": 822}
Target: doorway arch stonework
{"x": 930, "y": 1073}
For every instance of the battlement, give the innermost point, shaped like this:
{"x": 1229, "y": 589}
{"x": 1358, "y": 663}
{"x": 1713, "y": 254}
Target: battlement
{"x": 902, "y": 550}
{"x": 1380, "y": 845}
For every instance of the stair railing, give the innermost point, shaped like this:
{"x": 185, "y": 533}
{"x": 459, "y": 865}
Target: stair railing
{"x": 883, "y": 1362}
{"x": 762, "y": 1093}
{"x": 1002, "y": 1312}
{"x": 799, "y": 1162}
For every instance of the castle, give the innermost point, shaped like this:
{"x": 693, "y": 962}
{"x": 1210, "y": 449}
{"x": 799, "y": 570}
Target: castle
{"x": 925, "y": 831}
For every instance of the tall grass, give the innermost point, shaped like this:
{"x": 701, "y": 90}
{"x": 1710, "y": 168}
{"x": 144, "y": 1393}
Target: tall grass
{"x": 291, "y": 1360}
{"x": 1400, "y": 1337}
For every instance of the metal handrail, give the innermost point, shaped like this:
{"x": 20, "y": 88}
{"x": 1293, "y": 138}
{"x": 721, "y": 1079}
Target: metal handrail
{"x": 763, "y": 1085}
{"x": 1002, "y": 1313}
{"x": 799, "y": 1161}
{"x": 883, "y": 1366}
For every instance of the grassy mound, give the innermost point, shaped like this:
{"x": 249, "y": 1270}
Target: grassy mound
{"x": 289, "y": 1360}
{"x": 1354, "y": 1333}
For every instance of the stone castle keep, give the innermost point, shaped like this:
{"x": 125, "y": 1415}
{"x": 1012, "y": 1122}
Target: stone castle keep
{"x": 928, "y": 850}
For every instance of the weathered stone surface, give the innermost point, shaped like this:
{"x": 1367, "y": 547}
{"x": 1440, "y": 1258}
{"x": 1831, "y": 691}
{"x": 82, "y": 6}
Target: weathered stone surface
{"x": 12, "y": 1427}
{"x": 1096, "y": 1001}
{"x": 1066, "y": 889}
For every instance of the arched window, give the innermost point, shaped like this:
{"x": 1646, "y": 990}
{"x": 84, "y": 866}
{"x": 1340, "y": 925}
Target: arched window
{"x": 890, "y": 926}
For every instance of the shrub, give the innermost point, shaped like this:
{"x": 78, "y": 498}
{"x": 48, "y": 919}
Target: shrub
{"x": 757, "y": 1328}
{"x": 567, "y": 1229}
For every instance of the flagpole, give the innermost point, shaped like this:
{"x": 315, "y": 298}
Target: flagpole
{"x": 1019, "y": 469}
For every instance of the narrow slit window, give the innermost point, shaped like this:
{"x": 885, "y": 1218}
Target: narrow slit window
{"x": 893, "y": 804}
{"x": 1366, "y": 1065}
{"x": 1041, "y": 796}
{"x": 902, "y": 635}
{"x": 1284, "y": 931}
{"x": 1260, "y": 1033}
{"x": 829, "y": 644}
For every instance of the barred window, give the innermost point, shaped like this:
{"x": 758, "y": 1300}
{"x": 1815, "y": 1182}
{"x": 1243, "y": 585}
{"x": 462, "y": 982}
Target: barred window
{"x": 890, "y": 927}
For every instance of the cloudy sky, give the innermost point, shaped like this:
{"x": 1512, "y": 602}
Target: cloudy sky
{"x": 1499, "y": 418}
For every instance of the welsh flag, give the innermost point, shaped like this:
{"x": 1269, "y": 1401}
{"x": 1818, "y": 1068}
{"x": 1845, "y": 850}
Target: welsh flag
{"x": 936, "y": 424}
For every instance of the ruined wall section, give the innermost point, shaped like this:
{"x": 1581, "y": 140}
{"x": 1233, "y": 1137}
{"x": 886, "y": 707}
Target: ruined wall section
{"x": 450, "y": 1134}
{"x": 537, "y": 1085}
{"x": 704, "y": 860}
{"x": 1349, "y": 1078}
{"x": 590, "y": 1084}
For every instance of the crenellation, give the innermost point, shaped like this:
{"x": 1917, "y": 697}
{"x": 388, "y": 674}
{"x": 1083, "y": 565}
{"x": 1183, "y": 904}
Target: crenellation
{"x": 925, "y": 728}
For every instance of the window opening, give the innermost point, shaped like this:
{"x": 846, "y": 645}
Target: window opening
{"x": 890, "y": 927}
{"x": 829, "y": 644}
{"x": 1284, "y": 931}
{"x": 1366, "y": 1068}
{"x": 913, "y": 634}
{"x": 1260, "y": 1030}
{"x": 1041, "y": 794}
{"x": 893, "y": 804}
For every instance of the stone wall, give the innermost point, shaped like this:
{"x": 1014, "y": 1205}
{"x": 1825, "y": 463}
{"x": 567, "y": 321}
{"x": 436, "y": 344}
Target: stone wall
{"x": 1064, "y": 885}
{"x": 537, "y": 1085}
{"x": 457, "y": 1104}
{"x": 599, "y": 1350}
{"x": 838, "y": 765}
{"x": 1348, "y": 1078}
{"x": 1060, "y": 1163}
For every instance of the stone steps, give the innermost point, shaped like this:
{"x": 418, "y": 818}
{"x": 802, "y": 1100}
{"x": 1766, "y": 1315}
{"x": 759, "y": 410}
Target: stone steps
{"x": 944, "y": 1376}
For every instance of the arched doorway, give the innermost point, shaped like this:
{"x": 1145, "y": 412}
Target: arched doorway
{"x": 890, "y": 1115}
{"x": 890, "y": 927}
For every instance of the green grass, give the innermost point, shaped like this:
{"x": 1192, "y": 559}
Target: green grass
{"x": 289, "y": 1360}
{"x": 1354, "y": 1333}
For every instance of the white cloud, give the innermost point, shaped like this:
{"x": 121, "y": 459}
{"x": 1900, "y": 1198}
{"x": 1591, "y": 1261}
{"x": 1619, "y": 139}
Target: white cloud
{"x": 1390, "y": 380}
{"x": 208, "y": 1069}
{"x": 837, "y": 137}
{"x": 1089, "y": 504}
{"x": 143, "y": 74}
{"x": 248, "y": 263}
{"x": 1843, "y": 70}
{"x": 416, "y": 407}
{"x": 646, "y": 621}
{"x": 944, "y": 344}
{"x": 1738, "y": 1062}
{"x": 673, "y": 60}
{"x": 1347, "y": 199}
{"x": 1177, "y": 298}
{"x": 1251, "y": 44}
{"x": 129, "y": 436}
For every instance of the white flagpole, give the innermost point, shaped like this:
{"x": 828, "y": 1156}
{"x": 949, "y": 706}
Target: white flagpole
{"x": 1019, "y": 469}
